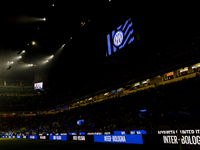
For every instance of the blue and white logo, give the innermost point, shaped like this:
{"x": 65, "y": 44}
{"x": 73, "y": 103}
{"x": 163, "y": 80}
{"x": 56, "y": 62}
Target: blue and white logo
{"x": 118, "y": 38}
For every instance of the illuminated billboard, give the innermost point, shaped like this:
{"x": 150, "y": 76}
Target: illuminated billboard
{"x": 120, "y": 37}
{"x": 130, "y": 139}
{"x": 38, "y": 85}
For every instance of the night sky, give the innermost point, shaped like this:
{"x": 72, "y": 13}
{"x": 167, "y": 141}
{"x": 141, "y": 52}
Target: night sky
{"x": 21, "y": 23}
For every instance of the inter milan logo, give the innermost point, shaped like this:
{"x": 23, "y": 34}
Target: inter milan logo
{"x": 118, "y": 38}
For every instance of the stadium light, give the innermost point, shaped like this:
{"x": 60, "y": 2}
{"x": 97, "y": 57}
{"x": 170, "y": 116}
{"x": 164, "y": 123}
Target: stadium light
{"x": 33, "y": 42}
{"x": 23, "y": 51}
{"x": 10, "y": 62}
{"x": 52, "y": 56}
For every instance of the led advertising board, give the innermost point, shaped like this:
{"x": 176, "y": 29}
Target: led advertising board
{"x": 78, "y": 138}
{"x": 189, "y": 136}
{"x": 18, "y": 137}
{"x": 34, "y": 137}
{"x": 131, "y": 132}
{"x": 72, "y": 133}
{"x": 120, "y": 37}
{"x": 58, "y": 137}
{"x": 41, "y": 137}
{"x": 129, "y": 139}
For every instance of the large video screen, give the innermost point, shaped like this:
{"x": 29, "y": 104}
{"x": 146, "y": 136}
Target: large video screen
{"x": 38, "y": 85}
{"x": 120, "y": 37}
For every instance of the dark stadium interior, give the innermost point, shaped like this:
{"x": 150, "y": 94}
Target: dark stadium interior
{"x": 64, "y": 48}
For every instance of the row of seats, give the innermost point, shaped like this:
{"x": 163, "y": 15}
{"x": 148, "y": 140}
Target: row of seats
{"x": 167, "y": 106}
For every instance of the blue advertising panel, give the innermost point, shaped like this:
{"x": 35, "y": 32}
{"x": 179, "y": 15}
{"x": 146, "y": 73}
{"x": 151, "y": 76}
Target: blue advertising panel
{"x": 32, "y": 137}
{"x": 120, "y": 37}
{"x": 3, "y": 137}
{"x": 81, "y": 133}
{"x": 131, "y": 132}
{"x": 58, "y": 137}
{"x": 18, "y": 137}
{"x": 72, "y": 133}
{"x": 138, "y": 132}
{"x": 129, "y": 139}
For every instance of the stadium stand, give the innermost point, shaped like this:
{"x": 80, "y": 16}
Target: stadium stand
{"x": 169, "y": 104}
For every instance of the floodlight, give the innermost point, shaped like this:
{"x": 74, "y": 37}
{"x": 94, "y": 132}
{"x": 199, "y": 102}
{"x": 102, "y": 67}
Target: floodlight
{"x": 33, "y": 43}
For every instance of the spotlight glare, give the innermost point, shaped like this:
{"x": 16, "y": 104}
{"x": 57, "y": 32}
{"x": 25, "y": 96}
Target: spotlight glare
{"x": 33, "y": 43}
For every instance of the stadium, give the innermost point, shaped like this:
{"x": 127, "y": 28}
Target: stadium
{"x": 99, "y": 80}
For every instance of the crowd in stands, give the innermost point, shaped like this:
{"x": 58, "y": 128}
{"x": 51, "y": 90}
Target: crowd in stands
{"x": 167, "y": 106}
{"x": 29, "y": 103}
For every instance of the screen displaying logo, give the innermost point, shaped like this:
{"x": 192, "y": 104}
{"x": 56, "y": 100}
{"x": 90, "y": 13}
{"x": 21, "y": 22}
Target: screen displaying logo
{"x": 120, "y": 37}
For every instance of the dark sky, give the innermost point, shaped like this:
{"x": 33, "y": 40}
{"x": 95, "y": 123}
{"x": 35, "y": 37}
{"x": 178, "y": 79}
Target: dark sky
{"x": 20, "y": 24}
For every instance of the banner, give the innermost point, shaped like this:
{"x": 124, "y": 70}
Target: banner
{"x": 129, "y": 139}
{"x": 58, "y": 137}
{"x": 43, "y": 137}
{"x": 34, "y": 137}
{"x": 131, "y": 132}
{"x": 78, "y": 138}
{"x": 18, "y": 137}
